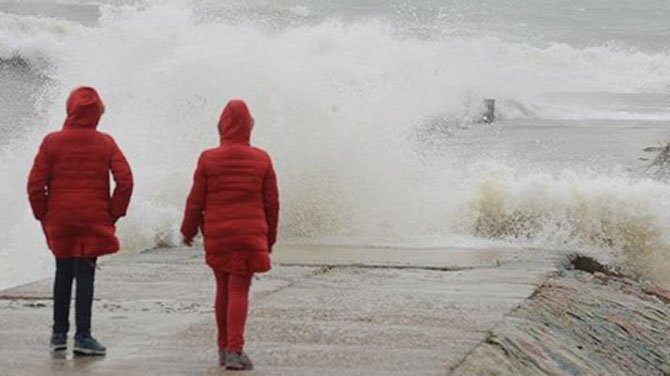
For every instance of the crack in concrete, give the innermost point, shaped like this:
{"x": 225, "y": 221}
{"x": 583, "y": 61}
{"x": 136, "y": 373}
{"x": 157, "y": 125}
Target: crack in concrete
{"x": 20, "y": 297}
{"x": 322, "y": 269}
{"x": 393, "y": 267}
{"x": 30, "y": 298}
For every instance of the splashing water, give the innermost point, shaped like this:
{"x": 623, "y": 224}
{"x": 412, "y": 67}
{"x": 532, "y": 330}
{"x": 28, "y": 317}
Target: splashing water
{"x": 337, "y": 104}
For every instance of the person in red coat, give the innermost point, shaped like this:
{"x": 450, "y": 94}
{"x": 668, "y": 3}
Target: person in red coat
{"x": 234, "y": 201}
{"x": 69, "y": 192}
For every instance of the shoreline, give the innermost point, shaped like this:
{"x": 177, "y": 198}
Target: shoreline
{"x": 327, "y": 310}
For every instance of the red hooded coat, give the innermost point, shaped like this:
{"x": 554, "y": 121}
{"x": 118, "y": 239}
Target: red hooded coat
{"x": 234, "y": 199}
{"x": 69, "y": 188}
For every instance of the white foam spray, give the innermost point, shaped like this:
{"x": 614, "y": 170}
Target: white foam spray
{"x": 335, "y": 103}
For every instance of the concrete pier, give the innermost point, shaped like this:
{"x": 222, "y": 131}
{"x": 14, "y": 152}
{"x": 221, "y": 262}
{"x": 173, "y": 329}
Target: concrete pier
{"x": 321, "y": 310}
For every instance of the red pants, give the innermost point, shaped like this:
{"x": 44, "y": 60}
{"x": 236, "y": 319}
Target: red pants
{"x": 231, "y": 306}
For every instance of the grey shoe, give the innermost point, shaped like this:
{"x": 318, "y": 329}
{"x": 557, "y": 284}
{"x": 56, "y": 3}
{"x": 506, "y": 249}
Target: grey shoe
{"x": 88, "y": 346}
{"x": 58, "y": 342}
{"x": 222, "y": 357}
{"x": 238, "y": 361}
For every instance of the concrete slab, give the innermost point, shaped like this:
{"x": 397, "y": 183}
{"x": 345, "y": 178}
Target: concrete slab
{"x": 433, "y": 259}
{"x": 322, "y": 310}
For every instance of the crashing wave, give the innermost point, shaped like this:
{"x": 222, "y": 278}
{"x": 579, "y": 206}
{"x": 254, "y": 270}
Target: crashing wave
{"x": 335, "y": 102}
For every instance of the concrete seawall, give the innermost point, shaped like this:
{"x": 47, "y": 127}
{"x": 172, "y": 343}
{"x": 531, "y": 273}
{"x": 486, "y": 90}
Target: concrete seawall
{"x": 580, "y": 323}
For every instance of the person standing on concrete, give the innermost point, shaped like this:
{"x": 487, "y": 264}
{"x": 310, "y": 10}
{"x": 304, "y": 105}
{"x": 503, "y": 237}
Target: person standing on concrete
{"x": 234, "y": 200}
{"x": 69, "y": 192}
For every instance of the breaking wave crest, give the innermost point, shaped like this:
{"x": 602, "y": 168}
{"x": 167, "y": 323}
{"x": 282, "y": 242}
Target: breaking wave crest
{"x": 629, "y": 220}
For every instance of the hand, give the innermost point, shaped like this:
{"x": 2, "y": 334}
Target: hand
{"x": 40, "y": 217}
{"x": 187, "y": 241}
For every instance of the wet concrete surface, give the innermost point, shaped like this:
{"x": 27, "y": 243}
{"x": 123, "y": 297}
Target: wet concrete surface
{"x": 321, "y": 310}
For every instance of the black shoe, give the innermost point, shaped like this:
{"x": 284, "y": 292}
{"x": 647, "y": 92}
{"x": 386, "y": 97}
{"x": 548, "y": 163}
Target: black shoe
{"x": 238, "y": 361}
{"x": 222, "y": 357}
{"x": 88, "y": 346}
{"x": 59, "y": 342}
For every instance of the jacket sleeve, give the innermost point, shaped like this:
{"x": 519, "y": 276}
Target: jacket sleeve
{"x": 123, "y": 179}
{"x": 38, "y": 182}
{"x": 271, "y": 204}
{"x": 195, "y": 203}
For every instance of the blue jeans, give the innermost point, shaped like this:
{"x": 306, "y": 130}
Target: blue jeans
{"x": 83, "y": 270}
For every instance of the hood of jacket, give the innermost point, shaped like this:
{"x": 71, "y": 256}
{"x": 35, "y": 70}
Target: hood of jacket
{"x": 84, "y": 109}
{"x": 236, "y": 123}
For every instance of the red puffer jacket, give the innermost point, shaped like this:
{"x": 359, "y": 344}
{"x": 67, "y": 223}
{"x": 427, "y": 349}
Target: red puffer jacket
{"x": 68, "y": 186}
{"x": 234, "y": 199}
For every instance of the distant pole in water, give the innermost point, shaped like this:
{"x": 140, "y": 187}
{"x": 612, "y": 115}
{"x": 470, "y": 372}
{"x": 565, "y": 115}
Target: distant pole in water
{"x": 489, "y": 116}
